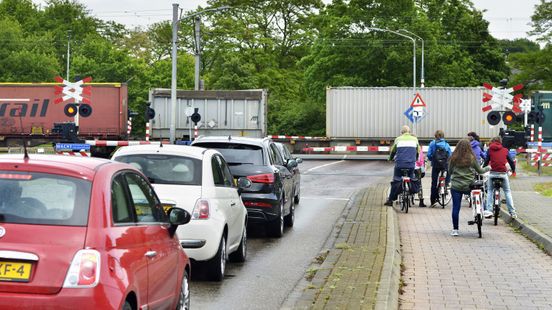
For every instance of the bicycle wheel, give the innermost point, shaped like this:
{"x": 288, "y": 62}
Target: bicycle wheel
{"x": 444, "y": 197}
{"x": 496, "y": 208}
{"x": 479, "y": 222}
{"x": 407, "y": 205}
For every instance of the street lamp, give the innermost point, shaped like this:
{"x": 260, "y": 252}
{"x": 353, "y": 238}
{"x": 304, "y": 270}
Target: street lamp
{"x": 422, "y": 79}
{"x": 175, "y": 21}
{"x": 413, "y": 52}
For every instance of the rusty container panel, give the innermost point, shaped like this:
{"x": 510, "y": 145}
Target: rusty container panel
{"x": 39, "y": 112}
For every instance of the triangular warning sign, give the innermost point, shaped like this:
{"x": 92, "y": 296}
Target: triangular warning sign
{"x": 418, "y": 101}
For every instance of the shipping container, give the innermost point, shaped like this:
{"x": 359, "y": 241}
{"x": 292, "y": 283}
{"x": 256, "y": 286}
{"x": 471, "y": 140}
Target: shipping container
{"x": 377, "y": 113}
{"x": 223, "y": 112}
{"x": 543, "y": 100}
{"x": 36, "y": 104}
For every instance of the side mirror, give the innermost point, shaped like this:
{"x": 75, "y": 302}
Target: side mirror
{"x": 177, "y": 217}
{"x": 243, "y": 183}
{"x": 291, "y": 163}
{"x": 299, "y": 160}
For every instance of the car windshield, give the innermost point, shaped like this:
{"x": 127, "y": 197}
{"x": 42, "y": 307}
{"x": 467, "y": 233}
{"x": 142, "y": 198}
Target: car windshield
{"x": 41, "y": 198}
{"x": 166, "y": 169}
{"x": 237, "y": 154}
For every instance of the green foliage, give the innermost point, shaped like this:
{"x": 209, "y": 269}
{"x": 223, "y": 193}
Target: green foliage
{"x": 542, "y": 21}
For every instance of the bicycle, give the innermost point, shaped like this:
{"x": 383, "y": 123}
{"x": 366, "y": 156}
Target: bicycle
{"x": 405, "y": 197}
{"x": 497, "y": 185}
{"x": 443, "y": 192}
{"x": 476, "y": 204}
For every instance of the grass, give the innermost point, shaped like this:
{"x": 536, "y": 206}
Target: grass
{"x": 544, "y": 188}
{"x": 310, "y": 273}
{"x": 522, "y": 161}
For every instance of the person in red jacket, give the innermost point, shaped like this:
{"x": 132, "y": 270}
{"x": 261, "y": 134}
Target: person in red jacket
{"x": 497, "y": 157}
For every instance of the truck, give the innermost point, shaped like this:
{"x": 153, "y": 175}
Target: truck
{"x": 223, "y": 113}
{"x": 29, "y": 112}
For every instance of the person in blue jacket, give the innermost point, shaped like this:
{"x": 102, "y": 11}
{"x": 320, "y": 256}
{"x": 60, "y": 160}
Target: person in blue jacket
{"x": 438, "y": 154}
{"x": 476, "y": 146}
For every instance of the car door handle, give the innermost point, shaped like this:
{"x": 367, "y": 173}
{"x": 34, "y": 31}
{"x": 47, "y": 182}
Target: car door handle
{"x": 233, "y": 203}
{"x": 151, "y": 254}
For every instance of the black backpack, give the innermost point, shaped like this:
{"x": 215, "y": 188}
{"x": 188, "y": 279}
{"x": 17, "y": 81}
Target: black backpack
{"x": 440, "y": 158}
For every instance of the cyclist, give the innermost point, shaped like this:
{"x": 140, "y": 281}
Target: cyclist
{"x": 497, "y": 157}
{"x": 405, "y": 151}
{"x": 419, "y": 171}
{"x": 438, "y": 154}
{"x": 475, "y": 145}
{"x": 461, "y": 167}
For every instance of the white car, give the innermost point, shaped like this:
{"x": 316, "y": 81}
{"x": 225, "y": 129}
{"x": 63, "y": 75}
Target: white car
{"x": 197, "y": 180}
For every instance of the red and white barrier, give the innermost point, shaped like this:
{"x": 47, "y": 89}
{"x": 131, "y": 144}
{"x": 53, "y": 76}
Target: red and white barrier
{"x": 147, "y": 131}
{"x": 116, "y": 143}
{"x": 80, "y": 153}
{"x": 129, "y": 127}
{"x": 352, "y": 148}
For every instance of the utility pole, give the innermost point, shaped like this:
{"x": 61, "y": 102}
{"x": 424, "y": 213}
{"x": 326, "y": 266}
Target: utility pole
{"x": 422, "y": 78}
{"x": 197, "y": 52}
{"x": 172, "y": 134}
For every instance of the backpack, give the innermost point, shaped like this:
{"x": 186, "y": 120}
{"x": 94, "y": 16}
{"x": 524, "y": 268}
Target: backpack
{"x": 440, "y": 158}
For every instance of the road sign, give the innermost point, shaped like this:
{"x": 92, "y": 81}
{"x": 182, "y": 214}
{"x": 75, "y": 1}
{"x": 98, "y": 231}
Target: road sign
{"x": 500, "y": 99}
{"x": 75, "y": 91}
{"x": 418, "y": 101}
{"x": 416, "y": 112}
{"x": 72, "y": 146}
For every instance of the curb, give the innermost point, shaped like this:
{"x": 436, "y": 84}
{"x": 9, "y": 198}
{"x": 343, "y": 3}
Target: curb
{"x": 528, "y": 231}
{"x": 388, "y": 293}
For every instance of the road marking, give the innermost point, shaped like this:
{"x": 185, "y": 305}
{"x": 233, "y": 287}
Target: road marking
{"x": 326, "y": 198}
{"x": 325, "y": 165}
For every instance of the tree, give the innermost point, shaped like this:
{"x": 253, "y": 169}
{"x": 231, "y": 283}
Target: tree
{"x": 542, "y": 21}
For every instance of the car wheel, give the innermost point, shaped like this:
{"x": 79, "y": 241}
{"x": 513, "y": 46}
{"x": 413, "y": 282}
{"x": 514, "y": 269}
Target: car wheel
{"x": 290, "y": 218}
{"x": 217, "y": 264}
{"x": 184, "y": 299}
{"x": 276, "y": 227}
{"x": 241, "y": 253}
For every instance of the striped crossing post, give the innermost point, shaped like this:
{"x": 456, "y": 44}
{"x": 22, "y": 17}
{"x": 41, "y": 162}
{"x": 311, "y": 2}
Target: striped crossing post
{"x": 129, "y": 127}
{"x": 147, "y": 131}
{"x": 196, "y": 131}
{"x": 540, "y": 151}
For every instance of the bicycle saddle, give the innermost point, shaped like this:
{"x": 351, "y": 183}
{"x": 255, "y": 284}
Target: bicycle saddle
{"x": 477, "y": 185}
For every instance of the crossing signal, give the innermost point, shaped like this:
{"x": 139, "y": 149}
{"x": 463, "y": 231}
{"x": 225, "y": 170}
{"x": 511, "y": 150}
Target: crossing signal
{"x": 508, "y": 117}
{"x": 196, "y": 117}
{"x": 493, "y": 118}
{"x": 149, "y": 113}
{"x": 70, "y": 109}
{"x": 540, "y": 118}
{"x": 85, "y": 110}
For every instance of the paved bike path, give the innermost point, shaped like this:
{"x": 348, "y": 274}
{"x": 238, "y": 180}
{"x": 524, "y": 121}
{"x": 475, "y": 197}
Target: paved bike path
{"x": 503, "y": 270}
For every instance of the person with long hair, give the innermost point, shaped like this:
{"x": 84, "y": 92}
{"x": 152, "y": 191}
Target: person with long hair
{"x": 461, "y": 167}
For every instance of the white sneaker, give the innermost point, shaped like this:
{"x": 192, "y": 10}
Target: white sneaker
{"x": 513, "y": 215}
{"x": 454, "y": 232}
{"x": 487, "y": 214}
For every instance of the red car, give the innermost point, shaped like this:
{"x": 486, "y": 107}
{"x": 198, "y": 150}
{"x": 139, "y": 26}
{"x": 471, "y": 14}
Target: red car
{"x": 87, "y": 233}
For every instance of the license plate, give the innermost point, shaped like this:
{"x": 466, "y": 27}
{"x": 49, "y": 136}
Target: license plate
{"x": 14, "y": 271}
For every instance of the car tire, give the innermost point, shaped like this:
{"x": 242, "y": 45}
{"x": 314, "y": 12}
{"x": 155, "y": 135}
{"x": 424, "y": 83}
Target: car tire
{"x": 289, "y": 219}
{"x": 184, "y": 299}
{"x": 276, "y": 227}
{"x": 217, "y": 264}
{"x": 240, "y": 254}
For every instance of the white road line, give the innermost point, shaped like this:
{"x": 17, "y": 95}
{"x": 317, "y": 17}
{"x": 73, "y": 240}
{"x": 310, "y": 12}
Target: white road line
{"x": 325, "y": 165}
{"x": 326, "y": 198}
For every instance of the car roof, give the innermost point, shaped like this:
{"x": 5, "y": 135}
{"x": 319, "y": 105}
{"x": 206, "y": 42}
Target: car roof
{"x": 168, "y": 149}
{"x": 69, "y": 165}
{"x": 232, "y": 139}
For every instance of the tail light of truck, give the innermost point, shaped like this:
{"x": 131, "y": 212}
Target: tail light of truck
{"x": 267, "y": 178}
{"x": 84, "y": 270}
{"x": 201, "y": 210}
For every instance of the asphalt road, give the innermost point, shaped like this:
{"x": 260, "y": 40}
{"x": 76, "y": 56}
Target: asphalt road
{"x": 275, "y": 266}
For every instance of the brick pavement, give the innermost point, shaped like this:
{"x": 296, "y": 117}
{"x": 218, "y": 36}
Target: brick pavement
{"x": 362, "y": 266}
{"x": 503, "y": 270}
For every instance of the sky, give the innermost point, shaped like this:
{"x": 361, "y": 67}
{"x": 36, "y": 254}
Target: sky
{"x": 509, "y": 19}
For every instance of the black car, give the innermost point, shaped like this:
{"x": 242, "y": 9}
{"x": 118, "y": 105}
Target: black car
{"x": 293, "y": 168}
{"x": 270, "y": 198}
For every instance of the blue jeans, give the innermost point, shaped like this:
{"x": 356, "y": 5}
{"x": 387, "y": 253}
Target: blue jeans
{"x": 435, "y": 181}
{"x": 456, "y": 202}
{"x": 505, "y": 189}
{"x": 396, "y": 183}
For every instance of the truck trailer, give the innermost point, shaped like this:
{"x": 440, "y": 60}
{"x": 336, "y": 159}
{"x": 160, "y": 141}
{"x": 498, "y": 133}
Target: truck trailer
{"x": 28, "y": 111}
{"x": 223, "y": 113}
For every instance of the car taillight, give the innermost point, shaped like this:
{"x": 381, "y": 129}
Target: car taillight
{"x": 257, "y": 204}
{"x": 84, "y": 270}
{"x": 201, "y": 210}
{"x": 262, "y": 178}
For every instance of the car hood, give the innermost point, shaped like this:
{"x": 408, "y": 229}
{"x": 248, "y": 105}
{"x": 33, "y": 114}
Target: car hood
{"x": 184, "y": 196}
